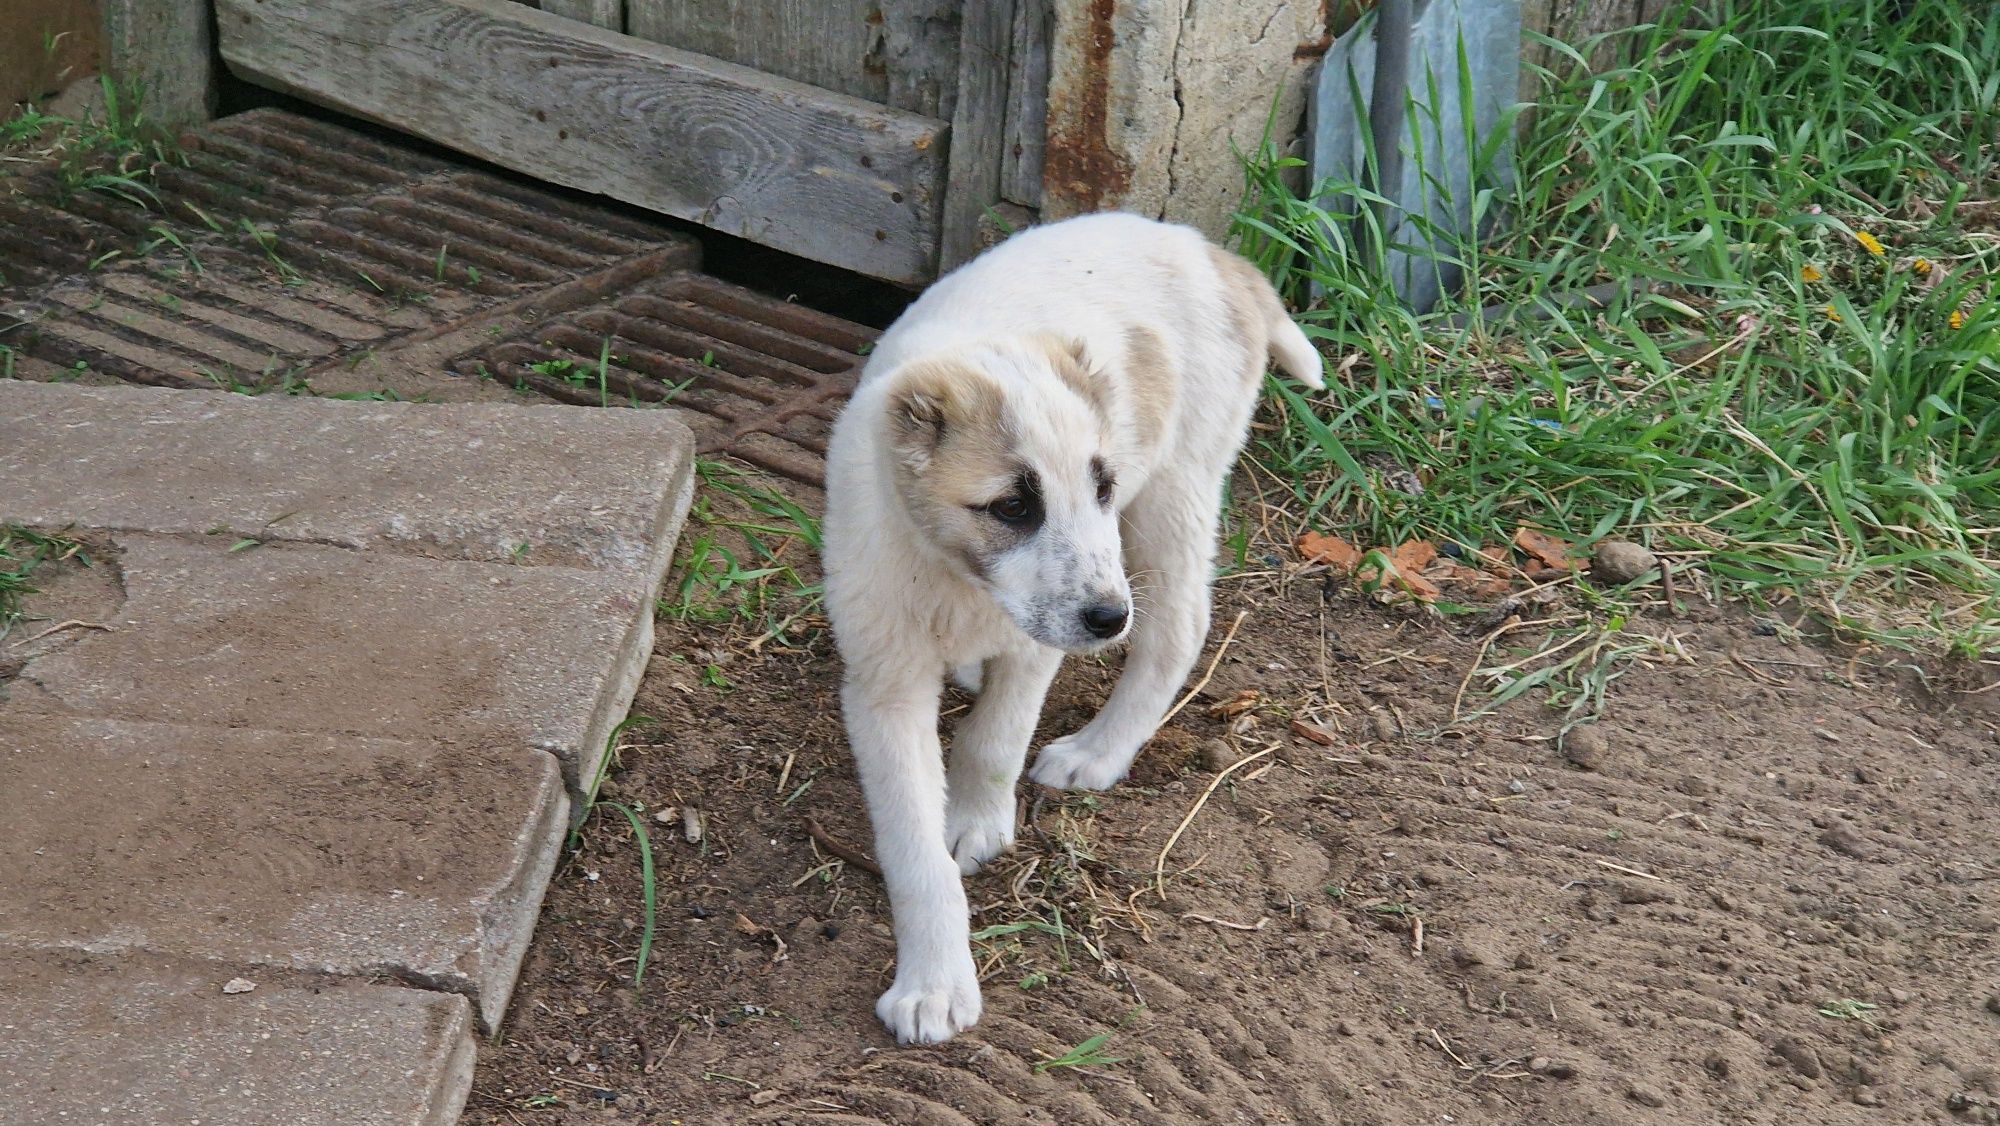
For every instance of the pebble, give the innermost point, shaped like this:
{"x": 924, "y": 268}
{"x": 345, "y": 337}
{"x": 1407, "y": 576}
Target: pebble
{"x": 1217, "y": 756}
{"x": 1846, "y": 841}
{"x": 1993, "y": 1004}
{"x": 1385, "y": 727}
{"x": 1803, "y": 1059}
{"x": 1646, "y": 1096}
{"x": 1344, "y": 1028}
{"x": 1617, "y": 562}
{"x": 1584, "y": 748}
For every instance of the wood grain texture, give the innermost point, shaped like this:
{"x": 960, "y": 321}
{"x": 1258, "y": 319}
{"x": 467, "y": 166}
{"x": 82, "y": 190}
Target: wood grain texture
{"x": 599, "y": 13}
{"x": 900, "y": 53}
{"x": 978, "y": 125}
{"x": 1027, "y": 103}
{"x": 816, "y": 174}
{"x": 164, "y": 47}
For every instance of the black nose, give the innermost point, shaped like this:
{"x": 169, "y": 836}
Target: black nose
{"x": 1104, "y": 621}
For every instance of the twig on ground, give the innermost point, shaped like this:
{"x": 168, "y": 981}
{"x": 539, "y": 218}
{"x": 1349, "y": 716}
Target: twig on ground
{"x": 1160, "y": 865}
{"x": 848, "y": 853}
{"x": 1210, "y": 674}
{"x": 1213, "y": 921}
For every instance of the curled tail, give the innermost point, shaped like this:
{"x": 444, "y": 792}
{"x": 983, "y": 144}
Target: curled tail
{"x": 1293, "y": 352}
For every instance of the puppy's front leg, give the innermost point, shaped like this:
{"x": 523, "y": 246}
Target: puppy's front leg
{"x": 987, "y": 752}
{"x": 892, "y": 726}
{"x": 1170, "y": 545}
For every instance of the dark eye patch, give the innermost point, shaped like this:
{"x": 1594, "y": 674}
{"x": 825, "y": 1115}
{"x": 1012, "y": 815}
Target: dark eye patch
{"x": 1107, "y": 485}
{"x": 1021, "y": 507}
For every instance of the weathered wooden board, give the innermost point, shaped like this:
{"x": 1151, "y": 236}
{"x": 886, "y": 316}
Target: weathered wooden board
{"x": 978, "y": 125}
{"x": 901, "y": 53}
{"x": 821, "y": 175}
{"x": 600, "y": 13}
{"x": 163, "y": 47}
{"x": 1027, "y": 103}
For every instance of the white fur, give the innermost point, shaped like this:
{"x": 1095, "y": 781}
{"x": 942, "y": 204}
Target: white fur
{"x": 904, "y": 617}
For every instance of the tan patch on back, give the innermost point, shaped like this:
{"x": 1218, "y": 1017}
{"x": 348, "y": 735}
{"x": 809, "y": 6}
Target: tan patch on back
{"x": 1247, "y": 298}
{"x": 1150, "y": 383}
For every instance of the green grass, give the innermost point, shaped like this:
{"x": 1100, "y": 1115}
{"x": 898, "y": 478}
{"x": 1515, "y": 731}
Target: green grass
{"x": 648, "y": 887}
{"x": 1798, "y": 415}
{"x": 112, "y": 151}
{"x": 22, "y": 553}
{"x": 745, "y": 542}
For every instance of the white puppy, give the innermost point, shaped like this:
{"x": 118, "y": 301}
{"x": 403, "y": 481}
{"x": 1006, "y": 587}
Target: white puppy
{"x": 1051, "y": 418}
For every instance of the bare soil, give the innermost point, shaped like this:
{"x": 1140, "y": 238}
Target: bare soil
{"x": 1761, "y": 889}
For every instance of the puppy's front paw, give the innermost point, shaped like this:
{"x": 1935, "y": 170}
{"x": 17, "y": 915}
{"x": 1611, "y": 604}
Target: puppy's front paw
{"x": 978, "y": 832}
{"x": 1080, "y": 762}
{"x": 930, "y": 1007}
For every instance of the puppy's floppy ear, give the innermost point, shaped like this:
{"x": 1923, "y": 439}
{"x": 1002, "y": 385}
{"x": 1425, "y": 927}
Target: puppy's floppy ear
{"x": 932, "y": 399}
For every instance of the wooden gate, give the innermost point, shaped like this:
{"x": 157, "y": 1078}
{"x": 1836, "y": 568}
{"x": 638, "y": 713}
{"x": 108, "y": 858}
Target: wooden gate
{"x": 868, "y": 134}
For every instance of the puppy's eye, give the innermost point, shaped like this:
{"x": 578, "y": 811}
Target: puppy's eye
{"x": 1105, "y": 488}
{"x": 1011, "y": 509}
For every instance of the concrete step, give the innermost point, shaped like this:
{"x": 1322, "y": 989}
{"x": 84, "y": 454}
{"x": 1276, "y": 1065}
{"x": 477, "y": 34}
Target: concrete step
{"x": 99, "y": 1041}
{"x": 417, "y": 861}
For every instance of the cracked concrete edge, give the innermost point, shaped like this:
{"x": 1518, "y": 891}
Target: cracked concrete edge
{"x": 508, "y": 914}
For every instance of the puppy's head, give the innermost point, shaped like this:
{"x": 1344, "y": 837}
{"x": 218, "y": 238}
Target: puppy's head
{"x": 1003, "y": 461}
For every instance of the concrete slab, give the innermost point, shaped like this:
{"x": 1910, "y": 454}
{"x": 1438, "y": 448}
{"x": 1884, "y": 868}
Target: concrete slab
{"x": 115, "y": 1042}
{"x": 316, "y": 639}
{"x": 493, "y": 482}
{"x": 331, "y": 854}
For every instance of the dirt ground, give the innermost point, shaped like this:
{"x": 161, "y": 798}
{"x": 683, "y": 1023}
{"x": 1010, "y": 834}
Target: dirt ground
{"x": 1762, "y": 889}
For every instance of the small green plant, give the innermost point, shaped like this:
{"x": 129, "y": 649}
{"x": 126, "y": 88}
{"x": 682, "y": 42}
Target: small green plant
{"x": 648, "y": 889}
{"x": 1091, "y": 1052}
{"x": 1847, "y": 1008}
{"x": 22, "y": 553}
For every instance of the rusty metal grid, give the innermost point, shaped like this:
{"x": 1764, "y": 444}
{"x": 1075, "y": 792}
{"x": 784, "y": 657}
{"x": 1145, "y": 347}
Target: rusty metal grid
{"x": 283, "y": 241}
{"x": 759, "y": 379}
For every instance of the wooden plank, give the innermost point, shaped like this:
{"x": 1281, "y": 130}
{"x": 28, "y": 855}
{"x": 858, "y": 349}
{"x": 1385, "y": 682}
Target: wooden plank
{"x": 598, "y": 13}
{"x": 816, "y": 174}
{"x": 901, "y": 53}
{"x": 978, "y": 125}
{"x": 1027, "y": 103}
{"x": 45, "y": 47}
{"x": 165, "y": 49}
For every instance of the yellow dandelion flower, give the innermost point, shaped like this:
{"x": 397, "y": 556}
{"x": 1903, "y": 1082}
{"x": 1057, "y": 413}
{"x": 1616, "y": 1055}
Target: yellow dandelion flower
{"x": 1811, "y": 274}
{"x": 1957, "y": 319}
{"x": 1869, "y": 243}
{"x": 1922, "y": 266}
{"x": 1832, "y": 314}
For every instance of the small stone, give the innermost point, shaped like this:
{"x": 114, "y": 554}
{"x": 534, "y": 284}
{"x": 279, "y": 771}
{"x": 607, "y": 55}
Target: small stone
{"x": 1617, "y": 562}
{"x": 238, "y": 985}
{"x": 767, "y": 1095}
{"x": 1344, "y": 1029}
{"x": 1539, "y": 1064}
{"x": 1561, "y": 1071}
{"x": 1634, "y": 892}
{"x": 1864, "y": 1096}
{"x": 1803, "y": 1059}
{"x": 1847, "y": 842}
{"x": 1993, "y": 1004}
{"x": 1695, "y": 786}
{"x": 1645, "y": 1095}
{"x": 1385, "y": 727}
{"x": 1899, "y": 996}
{"x": 1217, "y": 756}
{"x": 1584, "y": 748}
{"x": 1524, "y": 961}
{"x": 1316, "y": 917}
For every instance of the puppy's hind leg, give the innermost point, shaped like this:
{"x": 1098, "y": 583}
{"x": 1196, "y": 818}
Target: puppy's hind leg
{"x": 1170, "y": 548}
{"x": 987, "y": 752}
{"x": 892, "y": 717}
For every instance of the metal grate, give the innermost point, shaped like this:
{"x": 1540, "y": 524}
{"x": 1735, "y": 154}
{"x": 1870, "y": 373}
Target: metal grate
{"x": 285, "y": 248}
{"x": 761, "y": 379}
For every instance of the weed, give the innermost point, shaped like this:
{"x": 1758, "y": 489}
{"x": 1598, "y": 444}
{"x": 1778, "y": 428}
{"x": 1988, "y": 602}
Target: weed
{"x": 1794, "y": 385}
{"x": 22, "y": 553}
{"x": 717, "y": 583}
{"x": 112, "y": 152}
{"x": 1090, "y": 1053}
{"x": 1847, "y": 1008}
{"x": 649, "y": 890}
